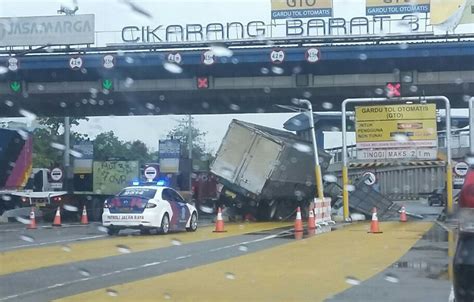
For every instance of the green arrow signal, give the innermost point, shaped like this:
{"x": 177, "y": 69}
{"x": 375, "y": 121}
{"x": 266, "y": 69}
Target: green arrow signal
{"x": 107, "y": 84}
{"x": 15, "y": 86}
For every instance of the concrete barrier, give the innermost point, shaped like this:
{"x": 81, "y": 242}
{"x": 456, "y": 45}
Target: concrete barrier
{"x": 10, "y": 215}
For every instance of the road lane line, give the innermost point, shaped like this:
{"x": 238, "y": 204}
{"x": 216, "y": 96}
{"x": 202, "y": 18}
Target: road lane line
{"x": 133, "y": 268}
{"x": 311, "y": 269}
{"x": 45, "y": 256}
{"x": 53, "y": 242}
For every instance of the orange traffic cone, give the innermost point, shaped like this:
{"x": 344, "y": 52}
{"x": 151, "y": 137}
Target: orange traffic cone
{"x": 374, "y": 225}
{"x": 311, "y": 219}
{"x": 32, "y": 224}
{"x": 298, "y": 235}
{"x": 219, "y": 222}
{"x": 57, "y": 218}
{"x": 298, "y": 221}
{"x": 84, "y": 219}
{"x": 403, "y": 214}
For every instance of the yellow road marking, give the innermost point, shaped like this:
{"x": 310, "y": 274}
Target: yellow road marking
{"x": 306, "y": 270}
{"x": 33, "y": 258}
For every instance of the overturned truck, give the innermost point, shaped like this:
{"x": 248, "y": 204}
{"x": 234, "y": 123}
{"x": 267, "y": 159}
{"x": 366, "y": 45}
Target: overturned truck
{"x": 265, "y": 172}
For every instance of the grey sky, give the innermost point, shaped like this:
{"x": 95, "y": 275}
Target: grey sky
{"x": 111, "y": 16}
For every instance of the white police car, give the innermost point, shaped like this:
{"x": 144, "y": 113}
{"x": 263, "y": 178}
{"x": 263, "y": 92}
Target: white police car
{"x": 149, "y": 208}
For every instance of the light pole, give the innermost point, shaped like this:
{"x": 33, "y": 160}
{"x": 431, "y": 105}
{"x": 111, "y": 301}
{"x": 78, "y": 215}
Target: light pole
{"x": 190, "y": 150}
{"x": 317, "y": 167}
{"x": 471, "y": 126}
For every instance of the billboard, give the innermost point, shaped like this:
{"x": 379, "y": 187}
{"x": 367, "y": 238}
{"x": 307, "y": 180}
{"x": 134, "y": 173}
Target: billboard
{"x": 54, "y": 30}
{"x": 395, "y": 7}
{"x": 169, "y": 153}
{"x": 396, "y": 131}
{"x": 283, "y": 9}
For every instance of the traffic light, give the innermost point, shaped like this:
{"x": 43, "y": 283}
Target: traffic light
{"x": 107, "y": 84}
{"x": 15, "y": 86}
{"x": 393, "y": 89}
{"x": 202, "y": 83}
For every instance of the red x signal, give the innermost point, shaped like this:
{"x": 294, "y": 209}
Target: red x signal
{"x": 202, "y": 82}
{"x": 393, "y": 89}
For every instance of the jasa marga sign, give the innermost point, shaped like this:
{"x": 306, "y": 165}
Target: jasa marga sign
{"x": 53, "y": 30}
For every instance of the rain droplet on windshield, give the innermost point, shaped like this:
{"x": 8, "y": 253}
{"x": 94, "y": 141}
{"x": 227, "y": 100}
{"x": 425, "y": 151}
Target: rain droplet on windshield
{"x": 70, "y": 208}
{"x": 27, "y": 238}
{"x": 66, "y": 248}
{"x": 58, "y": 146}
{"x": 111, "y": 292}
{"x": 29, "y": 115}
{"x": 3, "y": 70}
{"x": 277, "y": 70}
{"x": 102, "y": 229}
{"x": 243, "y": 248}
{"x": 172, "y": 67}
{"x": 302, "y": 147}
{"x": 400, "y": 138}
{"x": 22, "y": 220}
{"x": 221, "y": 51}
{"x": 352, "y": 280}
{"x": 330, "y": 178}
{"x": 363, "y": 56}
{"x": 75, "y": 153}
{"x": 128, "y": 82}
{"x": 150, "y": 106}
{"x": 234, "y": 107}
{"x": 391, "y": 278}
{"x": 230, "y": 276}
{"x": 350, "y": 188}
{"x": 327, "y": 105}
{"x": 6, "y": 197}
{"x": 9, "y": 103}
{"x": 123, "y": 249}
{"x": 264, "y": 70}
{"x": 206, "y": 209}
{"x": 378, "y": 91}
{"x": 175, "y": 241}
{"x": 166, "y": 296}
{"x": 84, "y": 272}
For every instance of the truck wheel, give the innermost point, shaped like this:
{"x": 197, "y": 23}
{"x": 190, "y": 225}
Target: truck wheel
{"x": 165, "y": 224}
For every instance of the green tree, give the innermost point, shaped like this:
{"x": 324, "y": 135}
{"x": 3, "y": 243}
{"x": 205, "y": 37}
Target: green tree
{"x": 201, "y": 155}
{"x": 48, "y": 140}
{"x": 108, "y": 146}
